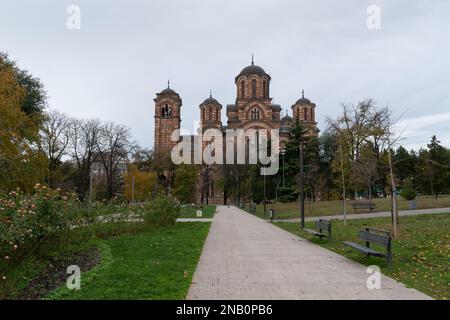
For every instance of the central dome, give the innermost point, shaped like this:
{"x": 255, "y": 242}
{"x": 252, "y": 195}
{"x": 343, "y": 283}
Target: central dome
{"x": 251, "y": 70}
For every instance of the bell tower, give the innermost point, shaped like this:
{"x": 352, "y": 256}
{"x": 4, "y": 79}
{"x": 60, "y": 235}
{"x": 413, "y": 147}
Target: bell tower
{"x": 303, "y": 111}
{"x": 167, "y": 119}
{"x": 210, "y": 113}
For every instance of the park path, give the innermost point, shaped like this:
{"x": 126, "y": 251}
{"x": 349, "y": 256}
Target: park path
{"x": 245, "y": 257}
{"x": 401, "y": 213}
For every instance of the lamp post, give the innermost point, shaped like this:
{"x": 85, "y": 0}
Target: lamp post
{"x": 283, "y": 152}
{"x": 302, "y": 187}
{"x": 265, "y": 200}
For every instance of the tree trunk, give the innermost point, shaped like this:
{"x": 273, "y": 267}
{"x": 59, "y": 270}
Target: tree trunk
{"x": 394, "y": 199}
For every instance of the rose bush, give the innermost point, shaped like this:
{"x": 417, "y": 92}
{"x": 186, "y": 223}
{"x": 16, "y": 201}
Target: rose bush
{"x": 25, "y": 221}
{"x": 52, "y": 216}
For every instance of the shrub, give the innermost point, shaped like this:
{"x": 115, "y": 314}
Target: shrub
{"x": 408, "y": 192}
{"x": 163, "y": 211}
{"x": 26, "y": 221}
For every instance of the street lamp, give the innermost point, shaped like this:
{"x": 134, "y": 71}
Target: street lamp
{"x": 302, "y": 187}
{"x": 265, "y": 199}
{"x": 283, "y": 152}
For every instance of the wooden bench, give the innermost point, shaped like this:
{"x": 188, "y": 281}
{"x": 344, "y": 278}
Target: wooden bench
{"x": 363, "y": 205}
{"x": 376, "y": 236}
{"x": 321, "y": 227}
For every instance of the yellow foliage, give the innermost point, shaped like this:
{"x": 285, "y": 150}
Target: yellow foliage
{"x": 144, "y": 184}
{"x": 21, "y": 165}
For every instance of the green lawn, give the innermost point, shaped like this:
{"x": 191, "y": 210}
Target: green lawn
{"x": 157, "y": 264}
{"x": 191, "y": 212}
{"x": 325, "y": 208}
{"x": 420, "y": 257}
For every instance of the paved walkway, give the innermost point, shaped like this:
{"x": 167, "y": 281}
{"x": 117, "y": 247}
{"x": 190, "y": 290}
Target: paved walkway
{"x": 403, "y": 213}
{"x": 245, "y": 257}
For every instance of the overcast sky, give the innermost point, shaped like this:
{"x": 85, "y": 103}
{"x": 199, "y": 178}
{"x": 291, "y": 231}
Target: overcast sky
{"x": 126, "y": 50}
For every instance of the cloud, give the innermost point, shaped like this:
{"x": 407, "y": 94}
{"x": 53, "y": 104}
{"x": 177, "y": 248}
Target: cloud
{"x": 126, "y": 51}
{"x": 418, "y": 131}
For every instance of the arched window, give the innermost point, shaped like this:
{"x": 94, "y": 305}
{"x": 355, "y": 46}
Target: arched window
{"x": 210, "y": 114}
{"x": 242, "y": 89}
{"x": 254, "y": 114}
{"x": 254, "y": 88}
{"x": 166, "y": 111}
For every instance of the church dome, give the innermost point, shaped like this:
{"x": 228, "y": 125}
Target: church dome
{"x": 303, "y": 100}
{"x": 211, "y": 100}
{"x": 252, "y": 70}
{"x": 286, "y": 118}
{"x": 168, "y": 91}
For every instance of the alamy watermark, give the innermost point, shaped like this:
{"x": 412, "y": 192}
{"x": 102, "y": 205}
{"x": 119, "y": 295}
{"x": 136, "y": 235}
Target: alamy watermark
{"x": 373, "y": 21}
{"x": 235, "y": 147}
{"x": 73, "y": 21}
{"x": 74, "y": 280}
{"x": 374, "y": 280}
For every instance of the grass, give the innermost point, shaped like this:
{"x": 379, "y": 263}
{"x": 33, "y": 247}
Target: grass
{"x": 191, "y": 212}
{"x": 420, "y": 257}
{"x": 326, "y": 208}
{"x": 138, "y": 262}
{"x": 156, "y": 264}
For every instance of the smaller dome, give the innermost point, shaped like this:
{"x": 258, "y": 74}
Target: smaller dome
{"x": 286, "y": 118}
{"x": 211, "y": 100}
{"x": 168, "y": 91}
{"x": 303, "y": 100}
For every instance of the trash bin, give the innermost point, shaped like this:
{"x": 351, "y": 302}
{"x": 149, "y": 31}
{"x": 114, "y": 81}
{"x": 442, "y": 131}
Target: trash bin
{"x": 272, "y": 214}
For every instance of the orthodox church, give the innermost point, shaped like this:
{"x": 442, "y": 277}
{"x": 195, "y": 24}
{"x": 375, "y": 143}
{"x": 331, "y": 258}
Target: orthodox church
{"x": 253, "y": 108}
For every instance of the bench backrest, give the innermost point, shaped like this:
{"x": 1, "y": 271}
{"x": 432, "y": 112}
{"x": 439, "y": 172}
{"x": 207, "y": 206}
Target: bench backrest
{"x": 323, "y": 225}
{"x": 372, "y": 235}
{"x": 363, "y": 204}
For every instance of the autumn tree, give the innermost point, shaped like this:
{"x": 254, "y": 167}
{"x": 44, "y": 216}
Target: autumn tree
{"x": 139, "y": 184}
{"x": 21, "y": 163}
{"x": 185, "y": 182}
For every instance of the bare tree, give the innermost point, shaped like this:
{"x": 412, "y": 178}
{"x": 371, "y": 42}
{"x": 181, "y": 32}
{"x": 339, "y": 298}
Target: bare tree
{"x": 83, "y": 142}
{"x": 365, "y": 169}
{"x": 113, "y": 146}
{"x": 54, "y": 139}
{"x": 389, "y": 140}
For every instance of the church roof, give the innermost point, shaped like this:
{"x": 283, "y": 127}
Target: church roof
{"x": 211, "y": 100}
{"x": 251, "y": 70}
{"x": 286, "y": 118}
{"x": 303, "y": 100}
{"x": 168, "y": 91}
